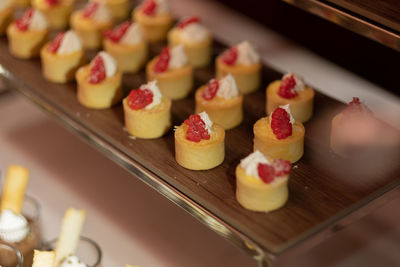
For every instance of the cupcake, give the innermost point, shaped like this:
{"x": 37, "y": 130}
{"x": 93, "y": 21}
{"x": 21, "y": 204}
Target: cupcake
{"x": 261, "y": 184}
{"x": 222, "y": 101}
{"x": 199, "y": 143}
{"x": 243, "y": 62}
{"x": 62, "y": 57}
{"x": 119, "y": 9}
{"x": 90, "y": 23}
{"x": 172, "y": 71}
{"x": 6, "y": 15}
{"x": 57, "y": 12}
{"x": 147, "y": 112}
{"x": 154, "y": 19}
{"x": 99, "y": 83}
{"x": 279, "y": 135}
{"x": 291, "y": 90}
{"x": 196, "y": 39}
{"x": 28, "y": 34}
{"x": 126, "y": 44}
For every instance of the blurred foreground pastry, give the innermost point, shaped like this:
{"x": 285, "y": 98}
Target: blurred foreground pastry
{"x": 6, "y": 15}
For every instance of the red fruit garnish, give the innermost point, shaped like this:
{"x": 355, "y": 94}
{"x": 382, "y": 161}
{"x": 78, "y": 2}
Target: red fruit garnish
{"x": 56, "y": 43}
{"x": 140, "y": 98}
{"x": 286, "y": 90}
{"x": 356, "y": 107}
{"x": 90, "y": 9}
{"x": 23, "y": 22}
{"x": 230, "y": 56}
{"x": 266, "y": 172}
{"x": 97, "y": 70}
{"x": 162, "y": 61}
{"x": 149, "y": 7}
{"x": 196, "y": 129}
{"x": 280, "y": 123}
{"x": 211, "y": 90}
{"x": 282, "y": 167}
{"x": 118, "y": 32}
{"x": 185, "y": 22}
{"x": 52, "y": 2}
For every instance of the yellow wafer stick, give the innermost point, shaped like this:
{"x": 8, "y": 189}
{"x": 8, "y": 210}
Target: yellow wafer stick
{"x": 43, "y": 258}
{"x": 14, "y": 188}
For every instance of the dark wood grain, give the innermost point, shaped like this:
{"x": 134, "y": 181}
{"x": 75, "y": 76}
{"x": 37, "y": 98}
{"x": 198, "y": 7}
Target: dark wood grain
{"x": 323, "y": 187}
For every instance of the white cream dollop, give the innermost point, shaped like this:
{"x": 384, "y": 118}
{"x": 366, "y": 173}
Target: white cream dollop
{"x": 101, "y": 14}
{"x": 38, "y": 21}
{"x": 13, "y": 227}
{"x": 5, "y": 4}
{"x": 132, "y": 36}
{"x": 194, "y": 32}
{"x": 287, "y": 109}
{"x": 227, "y": 87}
{"x": 109, "y": 63}
{"x": 250, "y": 163}
{"x": 178, "y": 57}
{"x": 70, "y": 43}
{"x": 300, "y": 84}
{"x": 72, "y": 261}
{"x": 152, "y": 86}
{"x": 208, "y": 123}
{"x": 247, "y": 55}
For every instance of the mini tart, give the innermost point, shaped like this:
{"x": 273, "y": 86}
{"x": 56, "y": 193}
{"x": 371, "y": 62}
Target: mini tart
{"x": 56, "y": 16}
{"x": 253, "y": 194}
{"x": 130, "y": 58}
{"x": 202, "y": 155}
{"x": 175, "y": 83}
{"x": 21, "y": 3}
{"x": 248, "y": 78}
{"x": 60, "y": 68}
{"x": 290, "y": 148}
{"x": 89, "y": 31}
{"x": 26, "y": 44}
{"x": 98, "y": 96}
{"x": 301, "y": 106}
{"x": 198, "y": 53}
{"x": 119, "y": 9}
{"x": 6, "y": 17}
{"x": 148, "y": 123}
{"x": 226, "y": 112}
{"x": 154, "y": 28}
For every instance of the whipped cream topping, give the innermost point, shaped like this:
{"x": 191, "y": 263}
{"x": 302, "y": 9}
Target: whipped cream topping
{"x": 250, "y": 163}
{"x": 70, "y": 43}
{"x": 178, "y": 57}
{"x": 247, "y": 55}
{"x": 109, "y": 63}
{"x": 132, "y": 36}
{"x": 152, "y": 86}
{"x": 5, "y": 4}
{"x": 72, "y": 261}
{"x": 38, "y": 21}
{"x": 208, "y": 123}
{"x": 194, "y": 32}
{"x": 287, "y": 109}
{"x": 13, "y": 227}
{"x": 101, "y": 14}
{"x": 300, "y": 84}
{"x": 227, "y": 87}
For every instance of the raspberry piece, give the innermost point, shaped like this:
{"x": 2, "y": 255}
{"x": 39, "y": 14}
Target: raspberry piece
{"x": 23, "y": 23}
{"x": 90, "y": 9}
{"x": 97, "y": 70}
{"x": 282, "y": 167}
{"x": 211, "y": 90}
{"x": 196, "y": 129}
{"x": 56, "y": 43}
{"x": 185, "y": 22}
{"x": 286, "y": 90}
{"x": 280, "y": 123}
{"x": 162, "y": 61}
{"x": 140, "y": 98}
{"x": 356, "y": 107}
{"x": 118, "y": 32}
{"x": 266, "y": 172}
{"x": 52, "y": 2}
{"x": 230, "y": 56}
{"x": 149, "y": 7}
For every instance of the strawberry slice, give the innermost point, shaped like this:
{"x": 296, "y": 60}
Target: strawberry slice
{"x": 52, "y": 2}
{"x": 286, "y": 90}
{"x": 140, "y": 98}
{"x": 56, "y": 43}
{"x": 211, "y": 90}
{"x": 280, "y": 123}
{"x": 97, "y": 70}
{"x": 90, "y": 9}
{"x": 118, "y": 32}
{"x": 230, "y": 56}
{"x": 187, "y": 21}
{"x": 196, "y": 129}
{"x": 22, "y": 23}
{"x": 162, "y": 61}
{"x": 282, "y": 167}
{"x": 149, "y": 7}
{"x": 266, "y": 172}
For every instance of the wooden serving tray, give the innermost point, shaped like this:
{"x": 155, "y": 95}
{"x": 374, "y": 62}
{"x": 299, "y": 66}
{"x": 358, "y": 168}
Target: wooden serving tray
{"x": 323, "y": 188}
